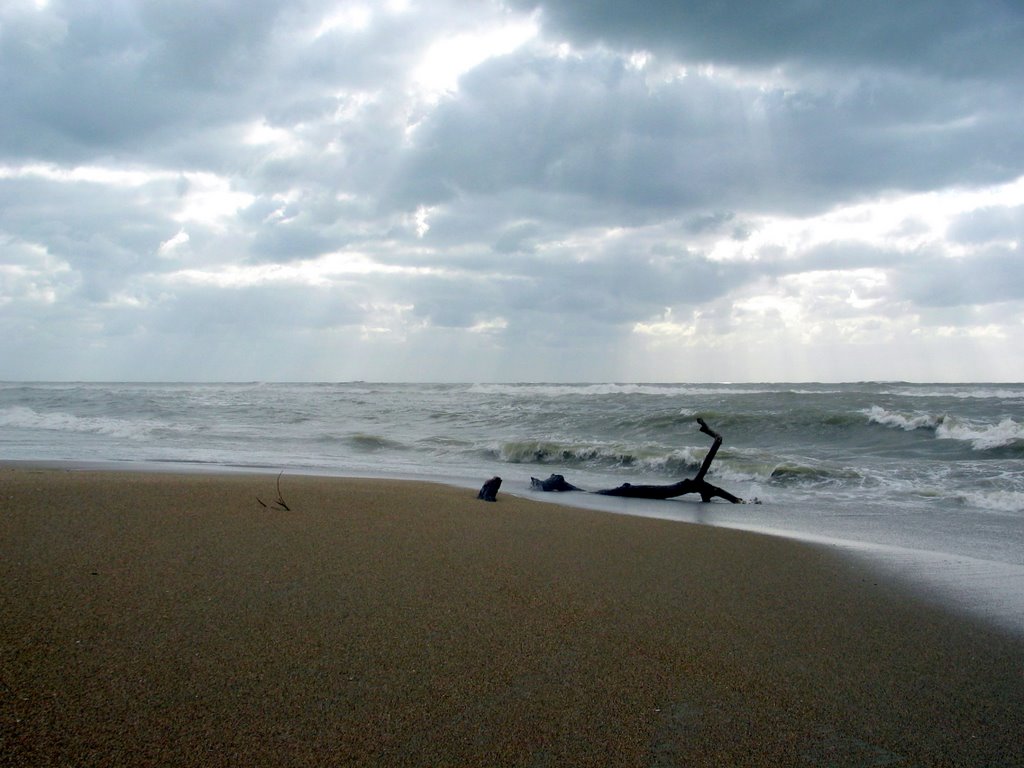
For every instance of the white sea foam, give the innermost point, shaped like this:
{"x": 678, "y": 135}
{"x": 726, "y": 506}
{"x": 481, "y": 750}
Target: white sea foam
{"x": 907, "y": 422}
{"x": 585, "y": 454}
{"x": 679, "y": 459}
{"x": 984, "y": 437}
{"x": 567, "y": 390}
{"x": 1011, "y": 502}
{"x": 958, "y": 392}
{"x": 26, "y": 418}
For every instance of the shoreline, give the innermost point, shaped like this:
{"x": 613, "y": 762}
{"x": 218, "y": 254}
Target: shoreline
{"x": 983, "y": 589}
{"x": 156, "y": 618}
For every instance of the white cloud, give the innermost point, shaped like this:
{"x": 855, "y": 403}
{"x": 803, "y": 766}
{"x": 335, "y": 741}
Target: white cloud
{"x": 489, "y": 326}
{"x": 447, "y": 59}
{"x": 995, "y": 332}
{"x": 169, "y": 246}
{"x": 667, "y": 328}
{"x": 351, "y": 18}
{"x": 390, "y": 322}
{"x": 209, "y": 199}
{"x": 87, "y": 174}
{"x": 632, "y": 190}
{"x": 422, "y": 221}
{"x": 896, "y": 222}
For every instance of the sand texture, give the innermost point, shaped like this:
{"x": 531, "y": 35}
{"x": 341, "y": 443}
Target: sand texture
{"x": 155, "y": 619}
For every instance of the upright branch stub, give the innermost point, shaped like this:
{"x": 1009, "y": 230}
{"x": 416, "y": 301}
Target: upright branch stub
{"x": 489, "y": 491}
{"x": 712, "y": 452}
{"x": 278, "y": 503}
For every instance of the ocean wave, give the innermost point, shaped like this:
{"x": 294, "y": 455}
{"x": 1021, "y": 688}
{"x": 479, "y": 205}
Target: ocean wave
{"x": 907, "y": 422}
{"x": 655, "y": 421}
{"x": 1011, "y": 502}
{"x": 597, "y": 456}
{"x": 545, "y": 452}
{"x": 961, "y": 393}
{"x": 21, "y": 417}
{"x": 804, "y": 474}
{"x": 659, "y": 390}
{"x": 983, "y": 438}
{"x": 372, "y": 443}
{"x": 681, "y": 461}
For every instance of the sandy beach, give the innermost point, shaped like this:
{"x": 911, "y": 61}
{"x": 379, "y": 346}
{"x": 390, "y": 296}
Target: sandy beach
{"x": 163, "y": 619}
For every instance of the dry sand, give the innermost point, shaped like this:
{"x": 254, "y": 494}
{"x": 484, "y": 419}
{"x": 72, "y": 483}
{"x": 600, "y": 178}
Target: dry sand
{"x": 162, "y": 619}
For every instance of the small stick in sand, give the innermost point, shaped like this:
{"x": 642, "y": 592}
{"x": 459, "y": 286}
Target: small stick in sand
{"x": 279, "y": 503}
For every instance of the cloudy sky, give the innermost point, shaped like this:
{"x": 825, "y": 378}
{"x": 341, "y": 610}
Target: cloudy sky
{"x": 467, "y": 190}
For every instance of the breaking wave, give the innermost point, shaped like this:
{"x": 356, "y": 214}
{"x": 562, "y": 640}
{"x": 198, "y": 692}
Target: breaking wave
{"x": 907, "y": 422}
{"x": 372, "y": 443}
{"x": 596, "y": 456}
{"x": 973, "y": 392}
{"x": 567, "y": 390}
{"x": 1010, "y": 502}
{"x": 21, "y": 417}
{"x": 981, "y": 437}
{"x": 802, "y": 474}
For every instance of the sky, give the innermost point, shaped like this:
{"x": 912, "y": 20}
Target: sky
{"x": 455, "y": 190}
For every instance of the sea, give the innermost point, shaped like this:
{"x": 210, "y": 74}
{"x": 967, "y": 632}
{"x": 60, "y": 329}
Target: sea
{"x": 926, "y": 481}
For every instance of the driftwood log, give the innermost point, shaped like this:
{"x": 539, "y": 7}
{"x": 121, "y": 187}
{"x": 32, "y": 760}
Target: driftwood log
{"x": 695, "y": 484}
{"x": 553, "y": 483}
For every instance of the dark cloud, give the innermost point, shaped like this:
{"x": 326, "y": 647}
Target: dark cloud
{"x": 709, "y": 222}
{"x": 104, "y": 235}
{"x": 596, "y": 131}
{"x": 179, "y": 180}
{"x": 517, "y": 237}
{"x": 985, "y": 225}
{"x": 993, "y": 276}
{"x": 571, "y": 127}
{"x": 960, "y": 38}
{"x": 138, "y": 79}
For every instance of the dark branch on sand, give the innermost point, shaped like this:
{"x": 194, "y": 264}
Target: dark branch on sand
{"x": 695, "y": 484}
{"x": 279, "y": 503}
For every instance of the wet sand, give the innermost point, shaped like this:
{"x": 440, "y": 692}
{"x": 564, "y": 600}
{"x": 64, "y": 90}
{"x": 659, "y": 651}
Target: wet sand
{"x": 165, "y": 619}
